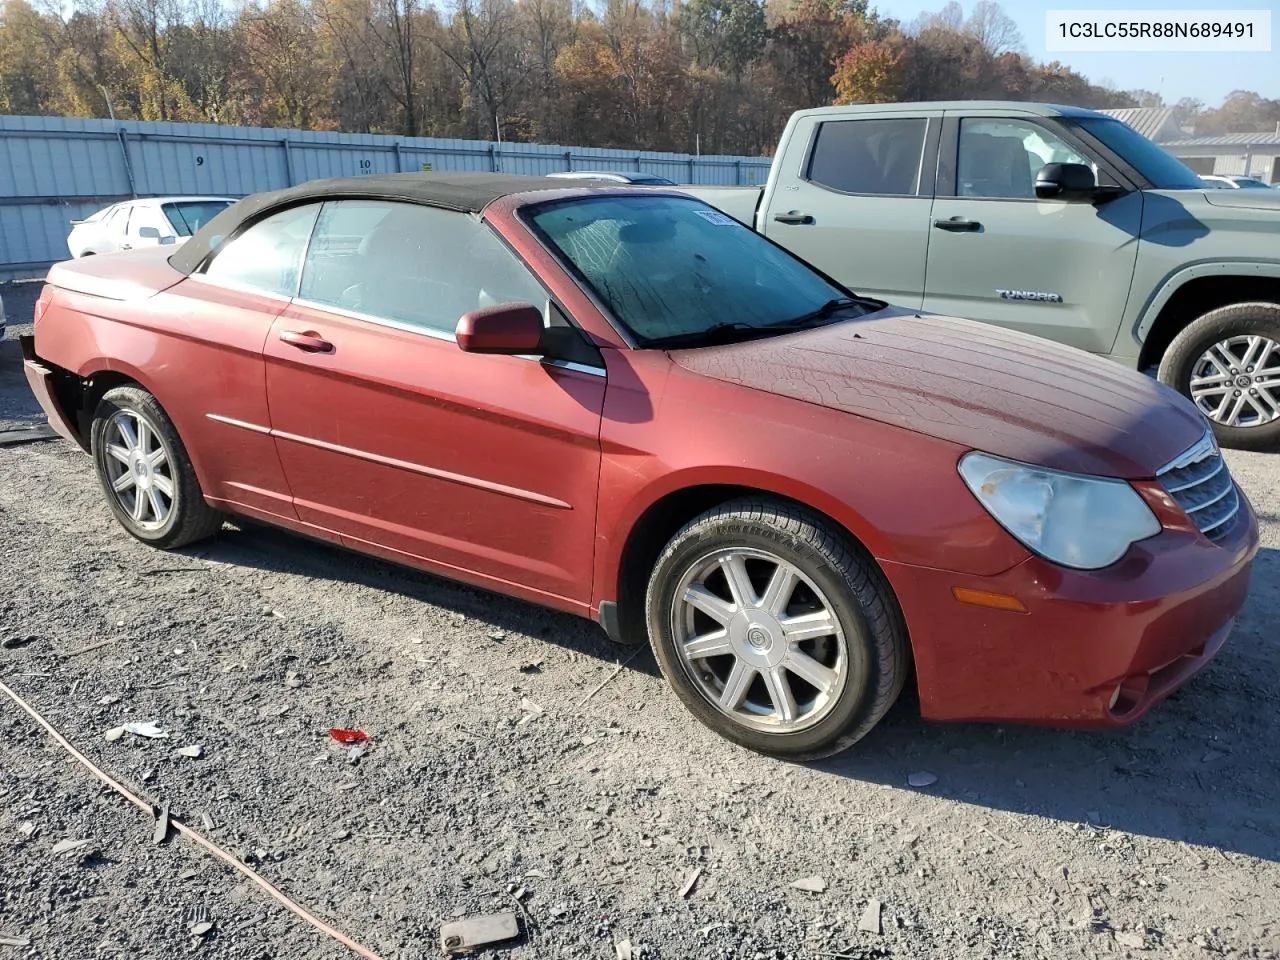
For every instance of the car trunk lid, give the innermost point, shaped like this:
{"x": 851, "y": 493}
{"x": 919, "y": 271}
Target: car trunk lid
{"x": 130, "y": 275}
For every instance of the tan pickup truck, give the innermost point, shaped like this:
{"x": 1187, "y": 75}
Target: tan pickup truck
{"x": 1058, "y": 221}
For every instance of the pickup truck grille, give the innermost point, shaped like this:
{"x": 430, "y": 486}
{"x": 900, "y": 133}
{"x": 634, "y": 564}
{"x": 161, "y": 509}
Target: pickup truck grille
{"x": 1201, "y": 483}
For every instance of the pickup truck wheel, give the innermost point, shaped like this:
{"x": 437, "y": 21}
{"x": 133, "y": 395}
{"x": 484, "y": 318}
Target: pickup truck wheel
{"x": 144, "y": 470}
{"x": 1228, "y": 363}
{"x": 775, "y": 631}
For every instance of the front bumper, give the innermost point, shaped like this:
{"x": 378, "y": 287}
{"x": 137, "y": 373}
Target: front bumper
{"x": 1094, "y": 649}
{"x": 40, "y": 379}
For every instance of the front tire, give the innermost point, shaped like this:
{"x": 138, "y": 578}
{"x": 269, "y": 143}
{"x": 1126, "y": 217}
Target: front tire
{"x": 145, "y": 472}
{"x": 775, "y": 630}
{"x": 1228, "y": 363}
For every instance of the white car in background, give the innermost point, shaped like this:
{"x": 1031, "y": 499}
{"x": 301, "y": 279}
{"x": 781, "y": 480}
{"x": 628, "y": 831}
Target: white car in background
{"x": 609, "y": 176}
{"x": 1232, "y": 182}
{"x": 142, "y": 223}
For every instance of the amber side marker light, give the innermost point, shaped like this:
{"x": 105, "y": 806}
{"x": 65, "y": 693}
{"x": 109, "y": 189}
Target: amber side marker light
{"x": 984, "y": 598}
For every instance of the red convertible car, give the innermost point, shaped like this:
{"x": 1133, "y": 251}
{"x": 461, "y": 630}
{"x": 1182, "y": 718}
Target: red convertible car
{"x": 623, "y": 404}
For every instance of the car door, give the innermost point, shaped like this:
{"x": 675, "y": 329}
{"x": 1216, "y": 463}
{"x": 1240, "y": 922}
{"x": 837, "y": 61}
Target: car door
{"x": 858, "y": 207}
{"x": 112, "y": 233}
{"x": 479, "y": 465}
{"x": 211, "y": 376}
{"x": 1056, "y": 269}
{"x": 142, "y": 216}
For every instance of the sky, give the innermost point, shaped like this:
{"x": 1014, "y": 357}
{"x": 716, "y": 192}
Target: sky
{"x": 1204, "y": 76}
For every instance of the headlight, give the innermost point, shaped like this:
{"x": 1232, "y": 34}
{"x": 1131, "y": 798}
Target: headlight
{"x": 1075, "y": 521}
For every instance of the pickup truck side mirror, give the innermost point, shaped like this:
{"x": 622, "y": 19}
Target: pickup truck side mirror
{"x": 1070, "y": 182}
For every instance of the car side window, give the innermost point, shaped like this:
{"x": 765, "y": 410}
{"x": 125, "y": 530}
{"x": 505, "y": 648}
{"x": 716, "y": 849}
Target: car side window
{"x": 140, "y": 217}
{"x": 268, "y": 255}
{"x": 419, "y": 266}
{"x": 880, "y": 157}
{"x": 1000, "y": 158}
{"x": 116, "y": 219}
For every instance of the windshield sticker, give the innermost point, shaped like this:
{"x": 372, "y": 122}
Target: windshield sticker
{"x": 716, "y": 217}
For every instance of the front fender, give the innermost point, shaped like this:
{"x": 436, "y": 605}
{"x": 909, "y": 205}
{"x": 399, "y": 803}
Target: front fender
{"x": 896, "y": 491}
{"x": 1169, "y": 287}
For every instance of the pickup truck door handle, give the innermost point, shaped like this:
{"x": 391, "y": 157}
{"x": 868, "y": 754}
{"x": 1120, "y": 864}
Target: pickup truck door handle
{"x": 793, "y": 217}
{"x": 958, "y": 225}
{"x": 310, "y": 341}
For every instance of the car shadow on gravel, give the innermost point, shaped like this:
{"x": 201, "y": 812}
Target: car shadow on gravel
{"x": 1201, "y": 768}
{"x": 248, "y": 544}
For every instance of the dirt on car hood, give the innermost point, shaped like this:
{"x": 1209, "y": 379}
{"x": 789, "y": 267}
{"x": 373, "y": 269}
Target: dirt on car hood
{"x": 992, "y": 389}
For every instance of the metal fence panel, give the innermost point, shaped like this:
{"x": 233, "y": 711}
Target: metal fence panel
{"x": 55, "y": 169}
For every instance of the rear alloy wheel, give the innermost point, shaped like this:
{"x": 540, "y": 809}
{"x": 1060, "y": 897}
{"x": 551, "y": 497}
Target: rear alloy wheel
{"x": 775, "y": 631}
{"x": 1228, "y": 363}
{"x": 145, "y": 472}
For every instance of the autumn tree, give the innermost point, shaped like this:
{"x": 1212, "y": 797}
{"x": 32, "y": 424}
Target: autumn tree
{"x": 718, "y": 76}
{"x": 286, "y": 85}
{"x": 871, "y": 72}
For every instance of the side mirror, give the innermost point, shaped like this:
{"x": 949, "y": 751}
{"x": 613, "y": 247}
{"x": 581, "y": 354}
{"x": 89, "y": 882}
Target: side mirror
{"x": 510, "y": 328}
{"x": 149, "y": 233}
{"x": 1071, "y": 182}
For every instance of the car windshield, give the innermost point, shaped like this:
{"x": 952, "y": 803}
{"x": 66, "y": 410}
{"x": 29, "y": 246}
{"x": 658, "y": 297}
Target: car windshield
{"x": 1248, "y": 183}
{"x": 676, "y": 272}
{"x": 188, "y": 216}
{"x": 1165, "y": 171}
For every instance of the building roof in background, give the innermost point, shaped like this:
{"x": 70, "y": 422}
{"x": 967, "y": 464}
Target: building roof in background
{"x": 1154, "y": 123}
{"x": 1268, "y": 138}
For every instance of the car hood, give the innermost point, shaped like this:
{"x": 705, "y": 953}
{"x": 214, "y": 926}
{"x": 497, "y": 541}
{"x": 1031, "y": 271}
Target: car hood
{"x": 1250, "y": 199}
{"x": 981, "y": 386}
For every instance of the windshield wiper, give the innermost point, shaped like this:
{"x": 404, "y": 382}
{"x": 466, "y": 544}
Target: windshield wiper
{"x": 730, "y": 331}
{"x": 725, "y": 332}
{"x": 824, "y": 312}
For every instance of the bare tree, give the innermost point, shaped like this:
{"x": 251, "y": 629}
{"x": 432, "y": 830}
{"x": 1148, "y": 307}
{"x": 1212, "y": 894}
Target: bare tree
{"x": 481, "y": 45}
{"x": 993, "y": 28}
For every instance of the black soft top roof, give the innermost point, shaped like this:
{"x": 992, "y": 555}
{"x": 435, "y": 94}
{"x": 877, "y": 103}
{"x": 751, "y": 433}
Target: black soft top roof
{"x": 464, "y": 192}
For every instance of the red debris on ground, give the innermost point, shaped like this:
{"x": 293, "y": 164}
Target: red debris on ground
{"x": 348, "y": 736}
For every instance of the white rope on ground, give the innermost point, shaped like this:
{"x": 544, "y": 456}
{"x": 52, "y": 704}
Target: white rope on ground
{"x": 208, "y": 845}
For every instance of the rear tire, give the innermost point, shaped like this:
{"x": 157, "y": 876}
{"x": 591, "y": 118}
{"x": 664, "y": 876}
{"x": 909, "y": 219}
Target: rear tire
{"x": 145, "y": 472}
{"x": 792, "y": 644}
{"x": 1228, "y": 363}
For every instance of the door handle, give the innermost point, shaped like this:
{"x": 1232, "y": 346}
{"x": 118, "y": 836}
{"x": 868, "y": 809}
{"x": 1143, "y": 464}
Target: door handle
{"x": 793, "y": 217}
{"x": 126, "y": 246}
{"x": 310, "y": 341}
{"x": 958, "y": 225}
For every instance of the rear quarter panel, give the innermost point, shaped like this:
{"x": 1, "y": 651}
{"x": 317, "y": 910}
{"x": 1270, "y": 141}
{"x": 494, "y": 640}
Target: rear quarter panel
{"x": 198, "y": 350}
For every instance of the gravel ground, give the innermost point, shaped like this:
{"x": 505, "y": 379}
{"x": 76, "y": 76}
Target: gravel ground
{"x": 494, "y": 783}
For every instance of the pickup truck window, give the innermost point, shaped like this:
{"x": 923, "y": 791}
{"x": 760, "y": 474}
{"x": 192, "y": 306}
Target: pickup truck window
{"x": 1165, "y": 171}
{"x": 672, "y": 268}
{"x": 1000, "y": 158}
{"x": 879, "y": 157}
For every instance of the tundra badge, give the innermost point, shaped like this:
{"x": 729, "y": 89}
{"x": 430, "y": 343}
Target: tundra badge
{"x": 1030, "y": 295}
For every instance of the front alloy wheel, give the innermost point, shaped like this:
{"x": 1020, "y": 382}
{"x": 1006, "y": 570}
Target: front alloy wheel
{"x": 759, "y": 639}
{"x": 1228, "y": 362}
{"x": 776, "y": 629}
{"x": 1236, "y": 382}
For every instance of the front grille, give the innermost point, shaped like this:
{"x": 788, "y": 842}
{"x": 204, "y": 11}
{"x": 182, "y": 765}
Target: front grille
{"x": 1201, "y": 483}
